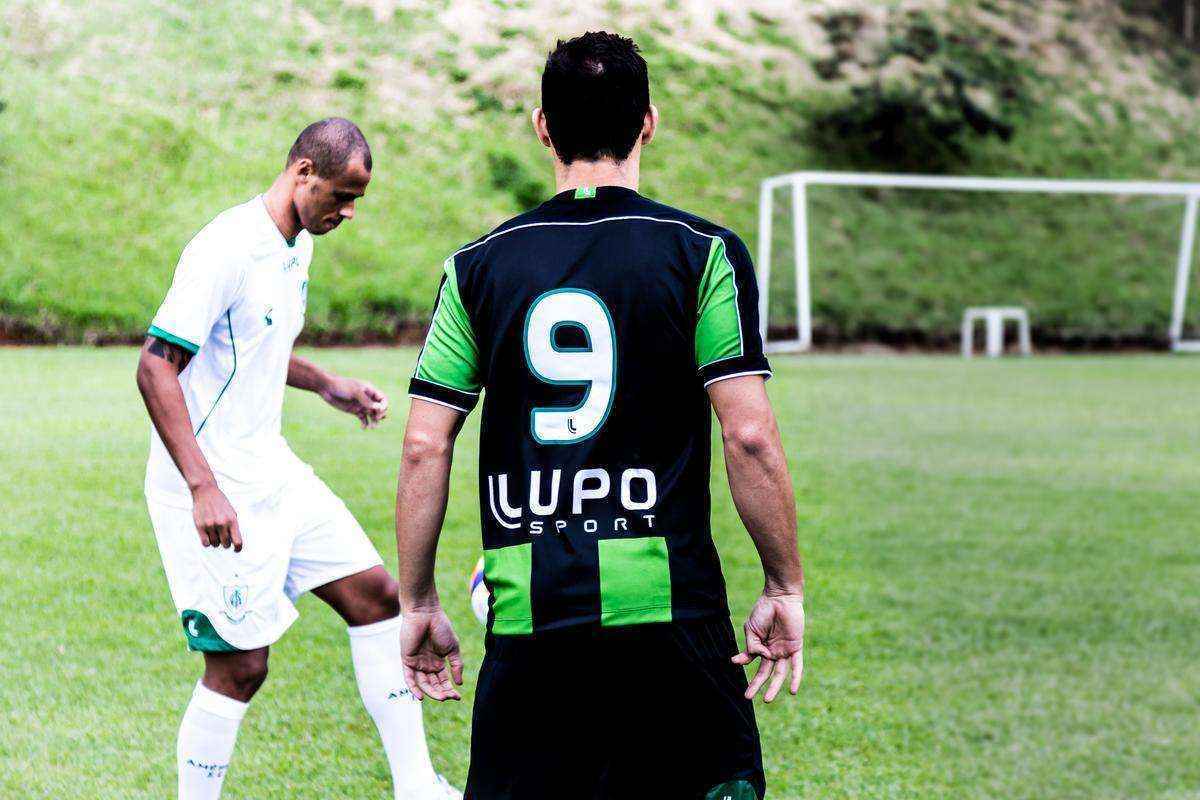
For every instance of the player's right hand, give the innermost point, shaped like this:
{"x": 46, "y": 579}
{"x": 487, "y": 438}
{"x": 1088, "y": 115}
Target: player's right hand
{"x": 215, "y": 519}
{"x": 427, "y": 644}
{"x": 775, "y": 635}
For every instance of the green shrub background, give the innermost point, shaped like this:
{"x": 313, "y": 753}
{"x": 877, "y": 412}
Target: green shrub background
{"x": 125, "y": 126}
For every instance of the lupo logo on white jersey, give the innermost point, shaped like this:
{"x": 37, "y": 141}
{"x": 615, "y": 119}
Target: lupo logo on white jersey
{"x": 555, "y": 504}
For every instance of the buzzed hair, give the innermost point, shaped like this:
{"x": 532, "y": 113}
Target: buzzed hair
{"x": 330, "y": 144}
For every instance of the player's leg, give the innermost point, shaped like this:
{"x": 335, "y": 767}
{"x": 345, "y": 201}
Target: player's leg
{"x": 232, "y": 607}
{"x": 696, "y": 739}
{"x": 336, "y": 561}
{"x": 369, "y": 603}
{"x": 363, "y": 598}
{"x": 210, "y": 724}
{"x": 238, "y": 675}
{"x": 536, "y": 728}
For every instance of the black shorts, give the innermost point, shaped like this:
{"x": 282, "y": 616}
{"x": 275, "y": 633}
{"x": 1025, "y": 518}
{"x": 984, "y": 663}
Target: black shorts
{"x": 645, "y": 711}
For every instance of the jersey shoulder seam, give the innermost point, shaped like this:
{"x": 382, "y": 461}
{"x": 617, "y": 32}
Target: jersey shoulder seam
{"x": 573, "y": 224}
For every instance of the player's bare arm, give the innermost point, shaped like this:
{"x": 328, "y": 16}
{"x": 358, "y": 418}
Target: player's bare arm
{"x": 762, "y": 492}
{"x": 353, "y": 396}
{"x": 158, "y": 380}
{"x": 427, "y": 639}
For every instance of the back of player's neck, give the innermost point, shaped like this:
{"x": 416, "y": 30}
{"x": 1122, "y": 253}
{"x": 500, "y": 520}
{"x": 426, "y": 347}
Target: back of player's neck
{"x": 591, "y": 174}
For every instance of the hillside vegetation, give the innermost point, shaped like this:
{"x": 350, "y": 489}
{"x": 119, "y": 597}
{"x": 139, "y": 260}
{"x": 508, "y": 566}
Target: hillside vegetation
{"x": 124, "y": 126}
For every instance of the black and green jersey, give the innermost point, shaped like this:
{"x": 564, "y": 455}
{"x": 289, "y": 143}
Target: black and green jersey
{"x": 595, "y": 322}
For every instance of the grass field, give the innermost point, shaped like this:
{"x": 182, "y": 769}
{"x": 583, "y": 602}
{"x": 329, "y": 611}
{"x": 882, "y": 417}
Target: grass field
{"x": 1002, "y": 569}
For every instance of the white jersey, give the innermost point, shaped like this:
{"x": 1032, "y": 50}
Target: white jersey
{"x": 237, "y": 303}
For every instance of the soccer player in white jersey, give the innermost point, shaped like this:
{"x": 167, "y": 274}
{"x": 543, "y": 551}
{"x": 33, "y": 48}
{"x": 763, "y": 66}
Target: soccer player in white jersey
{"x": 243, "y": 525}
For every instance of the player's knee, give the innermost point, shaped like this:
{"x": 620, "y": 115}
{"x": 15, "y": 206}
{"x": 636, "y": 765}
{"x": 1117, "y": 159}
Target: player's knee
{"x": 382, "y": 603}
{"x": 389, "y": 599}
{"x": 247, "y": 679}
{"x": 240, "y": 679}
{"x": 376, "y": 598}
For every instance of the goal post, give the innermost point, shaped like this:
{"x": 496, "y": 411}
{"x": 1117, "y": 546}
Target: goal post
{"x": 798, "y": 183}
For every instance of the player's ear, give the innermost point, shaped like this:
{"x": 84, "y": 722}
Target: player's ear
{"x": 650, "y": 125}
{"x": 540, "y": 128}
{"x": 302, "y": 169}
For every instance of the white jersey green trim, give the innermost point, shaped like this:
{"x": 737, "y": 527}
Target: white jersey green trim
{"x": 232, "y": 372}
{"x": 167, "y": 336}
{"x": 237, "y": 303}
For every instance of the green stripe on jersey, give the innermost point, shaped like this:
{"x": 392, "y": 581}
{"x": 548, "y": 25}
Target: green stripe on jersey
{"x": 585, "y": 192}
{"x": 450, "y": 356}
{"x": 232, "y": 372}
{"x": 167, "y": 336}
{"x": 509, "y": 571}
{"x": 635, "y": 581}
{"x": 718, "y": 325}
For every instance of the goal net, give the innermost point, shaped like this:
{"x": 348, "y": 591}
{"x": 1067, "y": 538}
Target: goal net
{"x": 862, "y": 256}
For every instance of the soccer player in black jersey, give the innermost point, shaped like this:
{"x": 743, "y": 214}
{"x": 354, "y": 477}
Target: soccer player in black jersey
{"x": 603, "y": 327}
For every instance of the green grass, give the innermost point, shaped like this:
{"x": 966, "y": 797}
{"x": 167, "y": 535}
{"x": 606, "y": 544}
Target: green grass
{"x": 126, "y": 126}
{"x": 1001, "y": 564}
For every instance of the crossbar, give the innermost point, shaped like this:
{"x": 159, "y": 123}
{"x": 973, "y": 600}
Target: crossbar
{"x": 963, "y": 183}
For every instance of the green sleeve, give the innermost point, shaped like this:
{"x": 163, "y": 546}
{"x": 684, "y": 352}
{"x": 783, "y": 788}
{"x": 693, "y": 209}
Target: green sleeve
{"x": 728, "y": 342}
{"x": 718, "y": 329}
{"x": 448, "y": 368}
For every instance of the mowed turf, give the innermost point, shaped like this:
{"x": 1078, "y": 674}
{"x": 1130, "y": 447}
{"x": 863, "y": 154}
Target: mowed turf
{"x": 1002, "y": 567}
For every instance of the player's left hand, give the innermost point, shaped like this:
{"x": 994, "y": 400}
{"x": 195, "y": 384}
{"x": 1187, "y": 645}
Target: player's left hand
{"x": 775, "y": 634}
{"x": 358, "y": 398}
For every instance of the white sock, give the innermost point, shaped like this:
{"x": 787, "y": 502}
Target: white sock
{"x": 206, "y": 738}
{"x": 375, "y": 650}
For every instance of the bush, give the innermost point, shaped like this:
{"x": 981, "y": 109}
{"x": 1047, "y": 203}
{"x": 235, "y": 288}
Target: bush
{"x": 348, "y": 81}
{"x": 510, "y": 175}
{"x": 916, "y": 103}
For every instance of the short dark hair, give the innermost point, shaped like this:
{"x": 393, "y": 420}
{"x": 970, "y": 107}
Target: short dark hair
{"x": 330, "y": 144}
{"x": 595, "y": 95}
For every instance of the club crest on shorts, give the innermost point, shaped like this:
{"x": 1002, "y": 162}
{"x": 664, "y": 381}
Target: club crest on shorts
{"x": 235, "y": 598}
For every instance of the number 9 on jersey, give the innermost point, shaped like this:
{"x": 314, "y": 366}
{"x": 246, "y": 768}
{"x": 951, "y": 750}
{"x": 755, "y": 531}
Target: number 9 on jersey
{"x": 592, "y": 365}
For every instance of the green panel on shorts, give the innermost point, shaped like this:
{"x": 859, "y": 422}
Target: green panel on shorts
{"x": 201, "y": 635}
{"x": 733, "y": 790}
{"x": 635, "y": 581}
{"x": 508, "y": 571}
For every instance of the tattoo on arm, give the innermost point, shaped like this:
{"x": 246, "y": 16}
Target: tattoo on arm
{"x": 169, "y": 352}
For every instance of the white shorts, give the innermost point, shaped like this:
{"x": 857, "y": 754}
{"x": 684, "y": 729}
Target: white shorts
{"x": 296, "y": 540}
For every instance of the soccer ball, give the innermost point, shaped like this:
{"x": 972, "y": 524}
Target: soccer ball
{"x": 479, "y": 592}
